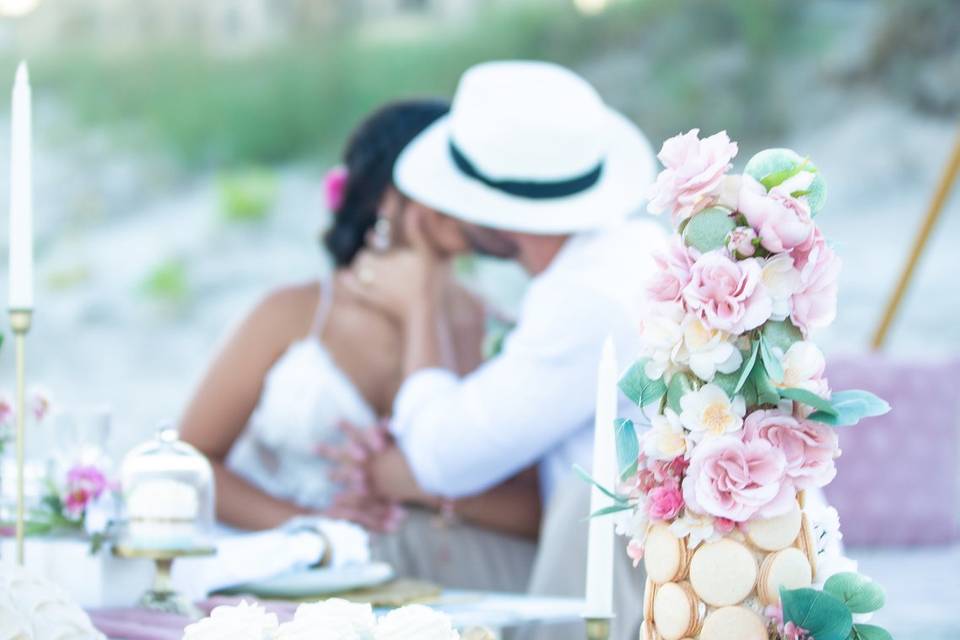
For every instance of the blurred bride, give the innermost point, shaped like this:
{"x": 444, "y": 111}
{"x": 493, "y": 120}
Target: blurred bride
{"x": 310, "y": 359}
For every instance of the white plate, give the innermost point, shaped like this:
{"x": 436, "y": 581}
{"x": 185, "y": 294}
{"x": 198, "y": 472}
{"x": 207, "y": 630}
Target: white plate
{"x": 317, "y": 582}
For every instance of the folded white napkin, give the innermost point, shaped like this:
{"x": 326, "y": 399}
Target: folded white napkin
{"x": 246, "y": 557}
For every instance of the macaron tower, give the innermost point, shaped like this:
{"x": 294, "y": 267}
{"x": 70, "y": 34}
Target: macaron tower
{"x": 742, "y": 420}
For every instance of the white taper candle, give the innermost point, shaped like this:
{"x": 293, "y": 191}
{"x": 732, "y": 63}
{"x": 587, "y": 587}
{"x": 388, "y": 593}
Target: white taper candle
{"x": 601, "y": 541}
{"x": 21, "y": 195}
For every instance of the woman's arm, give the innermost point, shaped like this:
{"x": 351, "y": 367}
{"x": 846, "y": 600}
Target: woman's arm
{"x": 229, "y": 392}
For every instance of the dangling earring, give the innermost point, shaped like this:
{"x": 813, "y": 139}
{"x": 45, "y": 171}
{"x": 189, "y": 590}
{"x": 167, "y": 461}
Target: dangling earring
{"x": 382, "y": 237}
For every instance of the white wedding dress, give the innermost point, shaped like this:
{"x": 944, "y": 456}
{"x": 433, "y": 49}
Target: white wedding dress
{"x": 304, "y": 398}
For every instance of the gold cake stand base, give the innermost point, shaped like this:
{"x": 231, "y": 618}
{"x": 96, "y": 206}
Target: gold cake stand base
{"x": 162, "y": 596}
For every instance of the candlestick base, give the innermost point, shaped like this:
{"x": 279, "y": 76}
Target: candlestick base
{"x": 20, "y": 320}
{"x": 598, "y": 628}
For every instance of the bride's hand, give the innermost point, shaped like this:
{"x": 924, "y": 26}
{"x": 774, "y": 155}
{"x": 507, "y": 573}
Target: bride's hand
{"x": 401, "y": 280}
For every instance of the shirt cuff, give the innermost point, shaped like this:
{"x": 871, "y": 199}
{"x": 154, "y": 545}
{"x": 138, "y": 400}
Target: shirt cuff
{"x": 416, "y": 391}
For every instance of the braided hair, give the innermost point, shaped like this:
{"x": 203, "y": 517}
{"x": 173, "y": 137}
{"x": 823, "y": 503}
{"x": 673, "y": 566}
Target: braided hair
{"x": 369, "y": 156}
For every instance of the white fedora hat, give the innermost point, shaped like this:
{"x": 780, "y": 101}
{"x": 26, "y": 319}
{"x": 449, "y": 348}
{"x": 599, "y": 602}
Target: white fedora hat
{"x": 530, "y": 147}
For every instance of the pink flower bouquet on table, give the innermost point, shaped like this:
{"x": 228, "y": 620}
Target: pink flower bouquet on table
{"x": 742, "y": 420}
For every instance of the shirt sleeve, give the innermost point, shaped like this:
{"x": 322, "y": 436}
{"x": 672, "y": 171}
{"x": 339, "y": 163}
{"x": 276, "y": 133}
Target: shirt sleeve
{"x": 462, "y": 436}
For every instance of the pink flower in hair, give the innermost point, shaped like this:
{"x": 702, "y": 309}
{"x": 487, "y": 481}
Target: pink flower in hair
{"x": 335, "y": 187}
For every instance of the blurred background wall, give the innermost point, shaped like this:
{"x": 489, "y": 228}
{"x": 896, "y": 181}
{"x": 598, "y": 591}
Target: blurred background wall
{"x": 180, "y": 146}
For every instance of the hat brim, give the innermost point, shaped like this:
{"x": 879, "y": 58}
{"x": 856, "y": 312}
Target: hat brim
{"x": 426, "y": 172}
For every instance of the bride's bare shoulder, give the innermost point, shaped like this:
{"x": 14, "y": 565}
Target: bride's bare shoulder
{"x": 287, "y": 310}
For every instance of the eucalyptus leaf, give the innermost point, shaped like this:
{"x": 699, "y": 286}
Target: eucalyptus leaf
{"x": 726, "y": 381}
{"x": 607, "y": 492}
{"x": 859, "y": 593}
{"x": 781, "y": 335}
{"x": 747, "y": 366}
{"x": 638, "y": 387}
{"x": 679, "y": 386}
{"x": 869, "y": 632}
{"x": 850, "y": 407}
{"x": 771, "y": 167}
{"x": 770, "y": 361}
{"x": 628, "y": 447}
{"x": 765, "y": 390}
{"x": 708, "y": 230}
{"x": 823, "y": 615}
{"x": 616, "y": 508}
{"x": 808, "y": 398}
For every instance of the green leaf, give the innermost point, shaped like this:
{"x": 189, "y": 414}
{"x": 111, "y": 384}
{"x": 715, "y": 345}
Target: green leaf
{"x": 586, "y": 476}
{"x": 708, "y": 230}
{"x": 770, "y": 362}
{"x": 638, "y": 387}
{"x": 808, "y": 398}
{"x": 727, "y": 382}
{"x": 781, "y": 335}
{"x": 858, "y": 592}
{"x": 628, "y": 447}
{"x": 747, "y": 367}
{"x": 771, "y": 167}
{"x": 850, "y": 407}
{"x": 766, "y": 392}
{"x": 679, "y": 386}
{"x": 616, "y": 508}
{"x": 823, "y": 615}
{"x": 869, "y": 632}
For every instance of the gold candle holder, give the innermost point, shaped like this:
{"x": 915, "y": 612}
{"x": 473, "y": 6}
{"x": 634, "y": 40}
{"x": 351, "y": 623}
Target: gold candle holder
{"x": 20, "y": 320}
{"x": 598, "y": 628}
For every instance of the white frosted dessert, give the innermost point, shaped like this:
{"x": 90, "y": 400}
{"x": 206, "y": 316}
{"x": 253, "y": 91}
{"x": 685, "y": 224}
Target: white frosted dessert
{"x": 162, "y": 514}
{"x": 358, "y": 617}
{"x": 415, "y": 622}
{"x": 243, "y": 622}
{"x": 33, "y": 608}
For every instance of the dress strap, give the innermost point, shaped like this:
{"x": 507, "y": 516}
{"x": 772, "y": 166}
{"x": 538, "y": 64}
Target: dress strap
{"x": 325, "y": 293}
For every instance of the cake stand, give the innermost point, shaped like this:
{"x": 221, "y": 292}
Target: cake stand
{"x": 162, "y": 596}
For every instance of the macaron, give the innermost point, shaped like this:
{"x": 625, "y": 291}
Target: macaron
{"x": 773, "y": 534}
{"x": 787, "y": 568}
{"x": 723, "y": 572}
{"x": 733, "y": 623}
{"x": 647, "y": 632}
{"x": 649, "y": 591}
{"x": 664, "y": 554}
{"x": 676, "y": 611}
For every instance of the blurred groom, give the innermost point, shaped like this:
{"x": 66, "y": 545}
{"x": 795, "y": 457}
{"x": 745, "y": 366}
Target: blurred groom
{"x": 530, "y": 165}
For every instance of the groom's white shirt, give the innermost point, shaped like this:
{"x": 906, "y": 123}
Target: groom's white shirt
{"x": 533, "y": 403}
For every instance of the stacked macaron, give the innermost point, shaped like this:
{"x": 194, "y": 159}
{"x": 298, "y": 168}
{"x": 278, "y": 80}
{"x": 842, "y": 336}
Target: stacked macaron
{"x": 718, "y": 590}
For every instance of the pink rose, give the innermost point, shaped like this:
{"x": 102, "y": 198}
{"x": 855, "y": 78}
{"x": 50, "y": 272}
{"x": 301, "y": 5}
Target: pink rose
{"x": 665, "y": 501}
{"x": 335, "y": 187}
{"x": 673, "y": 272}
{"x": 809, "y": 447}
{"x": 741, "y": 241}
{"x": 664, "y": 470}
{"x": 737, "y": 480}
{"x": 84, "y": 484}
{"x": 724, "y": 525}
{"x": 694, "y": 170}
{"x": 793, "y": 632}
{"x": 781, "y": 221}
{"x": 726, "y": 294}
{"x": 814, "y": 305}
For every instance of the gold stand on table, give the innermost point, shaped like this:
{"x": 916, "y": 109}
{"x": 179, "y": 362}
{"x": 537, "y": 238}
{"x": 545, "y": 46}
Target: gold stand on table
{"x": 162, "y": 596}
{"x": 598, "y": 628}
{"x": 20, "y": 320}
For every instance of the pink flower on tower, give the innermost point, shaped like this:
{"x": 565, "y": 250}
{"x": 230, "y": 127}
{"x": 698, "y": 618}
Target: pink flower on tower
{"x": 728, "y": 295}
{"x": 694, "y": 170}
{"x": 781, "y": 221}
{"x": 809, "y": 447}
{"x": 814, "y": 305}
{"x": 673, "y": 271}
{"x": 737, "y": 480}
{"x": 665, "y": 501}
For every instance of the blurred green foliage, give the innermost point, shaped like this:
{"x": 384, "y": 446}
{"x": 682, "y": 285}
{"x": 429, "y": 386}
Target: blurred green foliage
{"x": 247, "y": 195}
{"x": 300, "y": 99}
{"x": 167, "y": 282}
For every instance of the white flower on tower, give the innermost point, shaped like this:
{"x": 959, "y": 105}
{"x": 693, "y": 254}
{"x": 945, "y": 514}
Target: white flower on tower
{"x": 781, "y": 280}
{"x": 663, "y": 338}
{"x": 803, "y": 367}
{"x": 707, "y": 351}
{"x": 666, "y": 438}
{"x": 709, "y": 411}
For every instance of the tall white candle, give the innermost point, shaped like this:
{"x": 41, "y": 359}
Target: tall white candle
{"x": 21, "y": 195}
{"x": 601, "y": 541}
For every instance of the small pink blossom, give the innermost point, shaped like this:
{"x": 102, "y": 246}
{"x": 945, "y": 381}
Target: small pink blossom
{"x": 664, "y": 470}
{"x": 737, "y": 480}
{"x": 793, "y": 632}
{"x": 635, "y": 551}
{"x": 665, "y": 501}
{"x": 809, "y": 447}
{"x": 775, "y": 613}
{"x": 84, "y": 484}
{"x": 741, "y": 241}
{"x": 724, "y": 525}
{"x": 335, "y": 187}
{"x": 814, "y": 305}
{"x": 40, "y": 403}
{"x": 673, "y": 272}
{"x": 726, "y": 294}
{"x": 694, "y": 170}
{"x": 781, "y": 221}
{"x": 6, "y": 411}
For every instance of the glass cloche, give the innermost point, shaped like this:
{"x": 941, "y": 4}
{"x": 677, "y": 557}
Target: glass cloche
{"x": 168, "y": 494}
